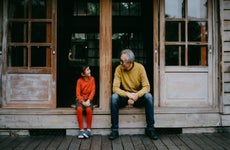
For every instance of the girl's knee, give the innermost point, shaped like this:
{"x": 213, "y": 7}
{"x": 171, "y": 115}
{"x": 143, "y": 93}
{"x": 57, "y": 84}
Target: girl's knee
{"x": 89, "y": 110}
{"x": 79, "y": 109}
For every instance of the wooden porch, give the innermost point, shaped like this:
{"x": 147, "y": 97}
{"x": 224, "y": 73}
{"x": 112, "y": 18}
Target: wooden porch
{"x": 132, "y": 120}
{"x": 220, "y": 141}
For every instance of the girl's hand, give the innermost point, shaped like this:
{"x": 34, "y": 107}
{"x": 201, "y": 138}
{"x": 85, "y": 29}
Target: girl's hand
{"x": 86, "y": 103}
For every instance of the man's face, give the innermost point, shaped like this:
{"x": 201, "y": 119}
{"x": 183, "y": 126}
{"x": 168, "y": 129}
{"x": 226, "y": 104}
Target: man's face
{"x": 123, "y": 62}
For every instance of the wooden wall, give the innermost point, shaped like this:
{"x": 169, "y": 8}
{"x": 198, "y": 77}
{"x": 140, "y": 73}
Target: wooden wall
{"x": 225, "y": 34}
{"x": 1, "y": 32}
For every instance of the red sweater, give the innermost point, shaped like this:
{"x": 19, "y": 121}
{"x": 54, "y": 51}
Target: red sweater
{"x": 85, "y": 89}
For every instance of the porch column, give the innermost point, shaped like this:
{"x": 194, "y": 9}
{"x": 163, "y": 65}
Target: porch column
{"x": 105, "y": 53}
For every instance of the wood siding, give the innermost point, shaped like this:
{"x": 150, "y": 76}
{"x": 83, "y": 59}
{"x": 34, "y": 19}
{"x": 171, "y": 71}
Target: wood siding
{"x": 225, "y": 31}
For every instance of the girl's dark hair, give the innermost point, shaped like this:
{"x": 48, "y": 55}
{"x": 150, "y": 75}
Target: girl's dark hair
{"x": 83, "y": 67}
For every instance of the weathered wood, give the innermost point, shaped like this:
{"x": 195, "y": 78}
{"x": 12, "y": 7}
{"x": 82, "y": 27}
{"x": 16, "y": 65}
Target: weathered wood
{"x": 226, "y": 25}
{"x": 6, "y": 141}
{"x": 117, "y": 144}
{"x": 166, "y": 140}
{"x": 226, "y": 110}
{"x": 128, "y": 144}
{"x": 24, "y": 144}
{"x": 103, "y": 121}
{"x": 65, "y": 143}
{"x": 227, "y": 87}
{"x": 159, "y": 144}
{"x": 96, "y": 142}
{"x": 226, "y": 77}
{"x": 75, "y": 144}
{"x": 55, "y": 143}
{"x": 226, "y": 47}
{"x": 186, "y": 90}
{"x": 226, "y": 68}
{"x": 85, "y": 144}
{"x": 226, "y": 118}
{"x": 178, "y": 142}
{"x": 226, "y": 4}
{"x": 226, "y": 15}
{"x": 105, "y": 53}
{"x": 137, "y": 143}
{"x": 226, "y": 98}
{"x": 124, "y": 142}
{"x": 226, "y": 36}
{"x": 147, "y": 142}
{"x": 29, "y": 86}
{"x": 35, "y": 141}
{"x": 106, "y": 143}
{"x": 124, "y": 111}
{"x": 14, "y": 143}
{"x": 191, "y": 144}
{"x": 210, "y": 142}
{"x": 199, "y": 141}
{"x": 220, "y": 140}
{"x": 46, "y": 140}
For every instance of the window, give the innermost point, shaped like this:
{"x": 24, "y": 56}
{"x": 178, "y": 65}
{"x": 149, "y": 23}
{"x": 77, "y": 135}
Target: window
{"x": 29, "y": 35}
{"x": 186, "y": 32}
{"x": 125, "y": 40}
{"x": 85, "y": 48}
{"x": 126, "y": 8}
{"x": 86, "y": 8}
{"x": 128, "y": 29}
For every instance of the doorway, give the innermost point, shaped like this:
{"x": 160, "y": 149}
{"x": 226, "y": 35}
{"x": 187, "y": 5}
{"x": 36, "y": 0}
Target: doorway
{"x": 79, "y": 35}
{"x": 78, "y": 43}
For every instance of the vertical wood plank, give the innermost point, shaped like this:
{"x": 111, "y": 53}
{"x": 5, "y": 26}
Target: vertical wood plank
{"x": 105, "y": 53}
{"x": 156, "y": 50}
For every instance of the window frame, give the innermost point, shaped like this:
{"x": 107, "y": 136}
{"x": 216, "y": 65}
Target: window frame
{"x": 49, "y": 42}
{"x": 186, "y": 43}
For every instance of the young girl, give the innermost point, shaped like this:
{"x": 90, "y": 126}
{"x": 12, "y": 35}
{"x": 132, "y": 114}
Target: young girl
{"x": 85, "y": 91}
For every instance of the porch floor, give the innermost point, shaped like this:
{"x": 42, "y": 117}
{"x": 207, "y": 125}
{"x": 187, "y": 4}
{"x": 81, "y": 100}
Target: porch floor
{"x": 206, "y": 141}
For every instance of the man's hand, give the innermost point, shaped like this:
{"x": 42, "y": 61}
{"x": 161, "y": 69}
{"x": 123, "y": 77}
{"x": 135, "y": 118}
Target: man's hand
{"x": 132, "y": 96}
{"x": 130, "y": 102}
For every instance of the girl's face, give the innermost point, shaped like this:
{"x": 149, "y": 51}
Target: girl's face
{"x": 87, "y": 72}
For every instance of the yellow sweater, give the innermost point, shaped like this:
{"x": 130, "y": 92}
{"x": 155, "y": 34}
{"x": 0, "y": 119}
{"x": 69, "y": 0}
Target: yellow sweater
{"x": 134, "y": 81}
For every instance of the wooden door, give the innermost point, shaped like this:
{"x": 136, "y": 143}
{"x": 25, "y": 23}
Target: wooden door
{"x": 186, "y": 54}
{"x": 29, "y": 54}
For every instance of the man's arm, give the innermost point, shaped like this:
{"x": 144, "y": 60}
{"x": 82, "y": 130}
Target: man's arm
{"x": 117, "y": 83}
{"x": 144, "y": 83}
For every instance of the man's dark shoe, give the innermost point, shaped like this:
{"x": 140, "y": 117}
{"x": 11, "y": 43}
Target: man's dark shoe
{"x": 113, "y": 135}
{"x": 151, "y": 134}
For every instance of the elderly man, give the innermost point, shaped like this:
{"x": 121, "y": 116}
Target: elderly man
{"x": 131, "y": 87}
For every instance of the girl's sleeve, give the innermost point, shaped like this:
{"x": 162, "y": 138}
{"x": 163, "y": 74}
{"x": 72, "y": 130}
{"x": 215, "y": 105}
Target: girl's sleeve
{"x": 78, "y": 91}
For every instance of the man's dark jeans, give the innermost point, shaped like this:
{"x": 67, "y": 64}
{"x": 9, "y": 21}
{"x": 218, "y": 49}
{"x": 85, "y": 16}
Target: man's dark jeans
{"x": 117, "y": 102}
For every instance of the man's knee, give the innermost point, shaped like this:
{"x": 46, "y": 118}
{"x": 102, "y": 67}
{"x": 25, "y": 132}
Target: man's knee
{"x": 148, "y": 97}
{"x": 114, "y": 98}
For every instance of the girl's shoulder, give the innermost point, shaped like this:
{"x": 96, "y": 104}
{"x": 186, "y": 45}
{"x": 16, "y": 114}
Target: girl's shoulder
{"x": 91, "y": 78}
